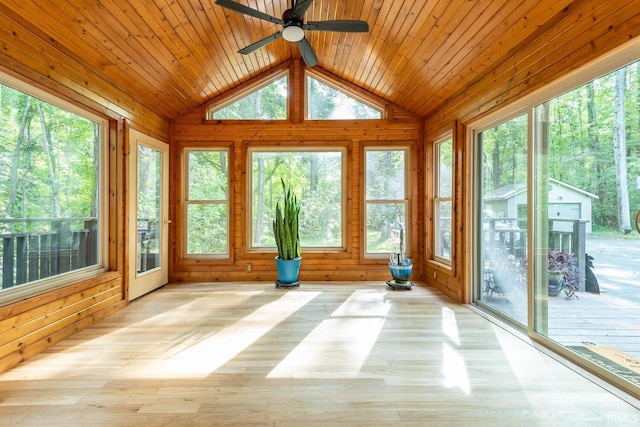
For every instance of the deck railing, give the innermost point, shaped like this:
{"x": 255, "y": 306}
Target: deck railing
{"x": 564, "y": 234}
{"x": 47, "y": 247}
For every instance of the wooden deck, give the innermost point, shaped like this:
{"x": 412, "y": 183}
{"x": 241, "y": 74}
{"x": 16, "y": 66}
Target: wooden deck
{"x": 589, "y": 320}
{"x": 326, "y": 354}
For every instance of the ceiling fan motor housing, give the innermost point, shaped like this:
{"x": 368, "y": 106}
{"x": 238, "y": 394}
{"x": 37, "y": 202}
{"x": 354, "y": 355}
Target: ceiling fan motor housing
{"x": 292, "y": 31}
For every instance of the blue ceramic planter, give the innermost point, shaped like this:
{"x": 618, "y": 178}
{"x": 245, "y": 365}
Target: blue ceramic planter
{"x": 401, "y": 273}
{"x": 288, "y": 270}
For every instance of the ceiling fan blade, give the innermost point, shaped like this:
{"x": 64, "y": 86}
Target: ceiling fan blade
{"x": 301, "y": 8}
{"x": 257, "y": 45}
{"x": 347, "y": 26}
{"x": 248, "y": 11}
{"x": 307, "y": 53}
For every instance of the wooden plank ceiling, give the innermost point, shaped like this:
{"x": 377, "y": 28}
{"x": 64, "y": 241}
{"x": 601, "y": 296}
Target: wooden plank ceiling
{"x": 173, "y": 55}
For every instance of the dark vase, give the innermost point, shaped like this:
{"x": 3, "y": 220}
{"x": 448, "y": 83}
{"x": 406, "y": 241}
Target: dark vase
{"x": 556, "y": 283}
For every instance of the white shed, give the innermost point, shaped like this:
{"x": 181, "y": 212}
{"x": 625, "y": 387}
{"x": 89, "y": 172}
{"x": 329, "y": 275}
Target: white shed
{"x": 565, "y": 202}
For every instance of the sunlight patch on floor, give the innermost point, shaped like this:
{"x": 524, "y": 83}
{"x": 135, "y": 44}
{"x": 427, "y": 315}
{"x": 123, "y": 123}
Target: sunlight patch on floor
{"x": 205, "y": 357}
{"x": 348, "y": 337}
{"x": 449, "y": 325}
{"x": 337, "y": 348}
{"x": 455, "y": 369}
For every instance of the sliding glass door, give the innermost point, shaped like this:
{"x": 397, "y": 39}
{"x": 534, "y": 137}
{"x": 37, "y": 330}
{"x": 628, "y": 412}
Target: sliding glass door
{"x": 557, "y": 194}
{"x": 587, "y": 192}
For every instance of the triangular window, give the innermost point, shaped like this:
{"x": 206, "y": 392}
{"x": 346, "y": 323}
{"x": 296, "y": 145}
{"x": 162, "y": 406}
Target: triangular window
{"x": 325, "y": 102}
{"x": 266, "y": 102}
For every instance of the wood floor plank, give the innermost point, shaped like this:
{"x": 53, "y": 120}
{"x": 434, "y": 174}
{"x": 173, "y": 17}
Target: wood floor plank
{"x": 326, "y": 354}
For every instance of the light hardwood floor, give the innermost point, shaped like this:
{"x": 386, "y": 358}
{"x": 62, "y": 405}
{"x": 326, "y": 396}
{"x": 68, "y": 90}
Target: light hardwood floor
{"x": 326, "y": 354}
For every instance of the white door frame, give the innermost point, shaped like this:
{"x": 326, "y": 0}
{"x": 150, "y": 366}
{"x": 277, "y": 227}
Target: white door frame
{"x": 144, "y": 282}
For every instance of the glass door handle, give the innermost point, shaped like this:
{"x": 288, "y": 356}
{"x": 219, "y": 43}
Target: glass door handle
{"x": 638, "y": 221}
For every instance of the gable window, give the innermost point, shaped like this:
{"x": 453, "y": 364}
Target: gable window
{"x": 207, "y": 202}
{"x": 316, "y": 176}
{"x": 386, "y": 200}
{"x": 327, "y": 102}
{"x": 267, "y": 101}
{"x": 52, "y": 192}
{"x": 443, "y": 200}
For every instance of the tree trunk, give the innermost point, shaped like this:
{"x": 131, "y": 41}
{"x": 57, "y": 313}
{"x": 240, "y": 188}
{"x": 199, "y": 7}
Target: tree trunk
{"x": 53, "y": 176}
{"x": 620, "y": 152}
{"x": 597, "y": 186}
{"x": 13, "y": 180}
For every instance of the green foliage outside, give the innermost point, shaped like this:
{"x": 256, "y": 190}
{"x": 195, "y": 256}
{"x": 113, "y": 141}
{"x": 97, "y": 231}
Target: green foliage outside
{"x": 207, "y": 202}
{"x": 581, "y": 146}
{"x": 267, "y": 103}
{"x": 325, "y": 102}
{"x": 385, "y": 197}
{"x": 315, "y": 177}
{"x": 48, "y": 162}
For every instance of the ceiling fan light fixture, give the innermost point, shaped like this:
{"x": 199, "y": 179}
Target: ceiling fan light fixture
{"x": 293, "y": 33}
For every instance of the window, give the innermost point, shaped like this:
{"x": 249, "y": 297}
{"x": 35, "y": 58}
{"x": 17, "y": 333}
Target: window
{"x": 443, "y": 200}
{"x": 386, "y": 201}
{"x": 267, "y": 102}
{"x": 207, "y": 202}
{"x": 52, "y": 192}
{"x": 317, "y": 179}
{"x": 325, "y": 102}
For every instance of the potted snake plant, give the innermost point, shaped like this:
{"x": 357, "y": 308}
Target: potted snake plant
{"x": 286, "y": 233}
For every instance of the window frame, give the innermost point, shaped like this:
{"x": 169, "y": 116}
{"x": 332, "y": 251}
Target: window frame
{"x": 438, "y": 199}
{"x": 188, "y": 202}
{"x": 104, "y": 199}
{"x": 309, "y": 147}
{"x": 406, "y": 201}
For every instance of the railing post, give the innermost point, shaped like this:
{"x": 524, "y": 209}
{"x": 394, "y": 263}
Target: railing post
{"x": 579, "y": 249}
{"x": 34, "y": 257}
{"x": 21, "y": 259}
{"x": 7, "y": 261}
{"x": 91, "y": 256}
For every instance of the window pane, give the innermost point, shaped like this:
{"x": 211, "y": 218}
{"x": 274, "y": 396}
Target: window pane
{"x": 503, "y": 153}
{"x": 267, "y": 103}
{"x": 207, "y": 229}
{"x": 445, "y": 168}
{"x": 443, "y": 205}
{"x": 208, "y": 175}
{"x": 443, "y": 230}
{"x": 49, "y": 185}
{"x": 149, "y": 207}
{"x": 385, "y": 223}
{"x": 326, "y": 103}
{"x": 386, "y": 201}
{"x": 207, "y": 202}
{"x": 385, "y": 174}
{"x": 316, "y": 179}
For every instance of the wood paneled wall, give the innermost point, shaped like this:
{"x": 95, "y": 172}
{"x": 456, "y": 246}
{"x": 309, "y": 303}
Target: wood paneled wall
{"x": 584, "y": 31}
{"x": 30, "y": 326}
{"x": 401, "y": 129}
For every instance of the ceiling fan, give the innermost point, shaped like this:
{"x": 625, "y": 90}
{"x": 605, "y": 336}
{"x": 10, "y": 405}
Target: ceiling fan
{"x": 293, "y": 27}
